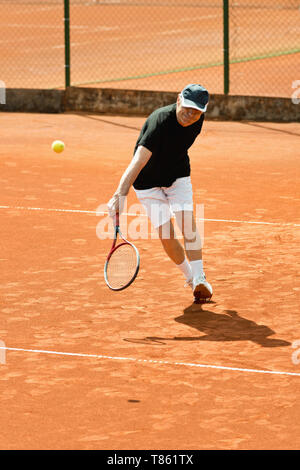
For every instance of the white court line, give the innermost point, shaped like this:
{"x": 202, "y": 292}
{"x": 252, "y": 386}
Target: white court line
{"x": 34, "y": 25}
{"x": 47, "y": 209}
{"x": 154, "y": 361}
{"x": 98, "y": 213}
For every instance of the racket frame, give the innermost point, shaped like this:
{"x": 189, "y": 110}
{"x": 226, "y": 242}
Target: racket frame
{"x": 114, "y": 248}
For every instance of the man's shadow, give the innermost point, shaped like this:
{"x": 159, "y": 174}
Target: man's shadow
{"x": 228, "y": 326}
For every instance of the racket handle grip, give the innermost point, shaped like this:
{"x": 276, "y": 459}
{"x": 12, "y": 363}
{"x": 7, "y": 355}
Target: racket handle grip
{"x": 117, "y": 219}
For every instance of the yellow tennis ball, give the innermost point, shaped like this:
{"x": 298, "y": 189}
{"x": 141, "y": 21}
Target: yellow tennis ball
{"x": 58, "y": 146}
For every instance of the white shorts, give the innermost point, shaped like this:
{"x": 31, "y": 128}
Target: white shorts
{"x": 161, "y": 203}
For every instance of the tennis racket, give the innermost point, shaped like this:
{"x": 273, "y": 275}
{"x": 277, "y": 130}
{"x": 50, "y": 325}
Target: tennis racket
{"x": 122, "y": 263}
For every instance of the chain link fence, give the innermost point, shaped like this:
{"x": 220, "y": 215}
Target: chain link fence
{"x": 264, "y": 46}
{"x": 32, "y": 44}
{"x": 152, "y": 44}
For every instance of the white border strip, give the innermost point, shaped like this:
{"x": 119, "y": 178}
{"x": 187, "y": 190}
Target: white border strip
{"x": 153, "y": 361}
{"x": 98, "y": 213}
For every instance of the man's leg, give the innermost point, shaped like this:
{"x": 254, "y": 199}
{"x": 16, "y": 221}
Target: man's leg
{"x": 158, "y": 210}
{"x": 175, "y": 250}
{"x": 170, "y": 243}
{"x": 191, "y": 236}
{"x": 193, "y": 248}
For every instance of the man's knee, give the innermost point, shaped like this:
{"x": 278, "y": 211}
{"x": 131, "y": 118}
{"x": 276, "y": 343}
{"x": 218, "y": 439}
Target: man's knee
{"x": 166, "y": 231}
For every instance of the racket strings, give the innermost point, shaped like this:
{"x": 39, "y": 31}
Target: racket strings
{"x": 122, "y": 266}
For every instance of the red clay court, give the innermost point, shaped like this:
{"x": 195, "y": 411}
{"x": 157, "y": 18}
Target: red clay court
{"x": 88, "y": 368}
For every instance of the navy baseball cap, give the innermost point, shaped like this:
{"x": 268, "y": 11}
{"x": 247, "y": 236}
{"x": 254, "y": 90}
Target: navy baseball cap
{"x": 194, "y": 96}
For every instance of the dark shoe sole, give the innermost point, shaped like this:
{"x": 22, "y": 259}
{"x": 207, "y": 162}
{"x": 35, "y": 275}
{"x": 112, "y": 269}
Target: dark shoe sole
{"x": 202, "y": 292}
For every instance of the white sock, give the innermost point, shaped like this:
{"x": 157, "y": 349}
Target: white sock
{"x": 197, "y": 267}
{"x": 185, "y": 268}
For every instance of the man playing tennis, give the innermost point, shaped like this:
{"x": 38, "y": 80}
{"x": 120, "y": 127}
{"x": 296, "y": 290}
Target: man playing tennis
{"x": 160, "y": 175}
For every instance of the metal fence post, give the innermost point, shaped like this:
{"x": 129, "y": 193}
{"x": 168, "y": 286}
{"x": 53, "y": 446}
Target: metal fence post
{"x": 67, "y": 44}
{"x": 226, "y": 45}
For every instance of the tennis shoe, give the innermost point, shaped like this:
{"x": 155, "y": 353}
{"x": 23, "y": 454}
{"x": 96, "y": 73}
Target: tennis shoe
{"x": 201, "y": 288}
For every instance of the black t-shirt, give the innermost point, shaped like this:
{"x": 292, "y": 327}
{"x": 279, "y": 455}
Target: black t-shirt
{"x": 169, "y": 142}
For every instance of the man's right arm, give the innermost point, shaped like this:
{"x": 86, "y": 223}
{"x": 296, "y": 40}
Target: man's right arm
{"x": 140, "y": 159}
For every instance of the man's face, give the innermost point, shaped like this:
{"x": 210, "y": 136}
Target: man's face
{"x": 186, "y": 116}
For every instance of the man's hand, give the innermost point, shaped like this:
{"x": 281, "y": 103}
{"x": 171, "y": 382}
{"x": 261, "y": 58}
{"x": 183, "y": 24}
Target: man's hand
{"x": 116, "y": 204}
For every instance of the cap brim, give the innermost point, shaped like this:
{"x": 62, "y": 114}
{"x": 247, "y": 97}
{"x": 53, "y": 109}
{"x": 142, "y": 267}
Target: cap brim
{"x": 190, "y": 104}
